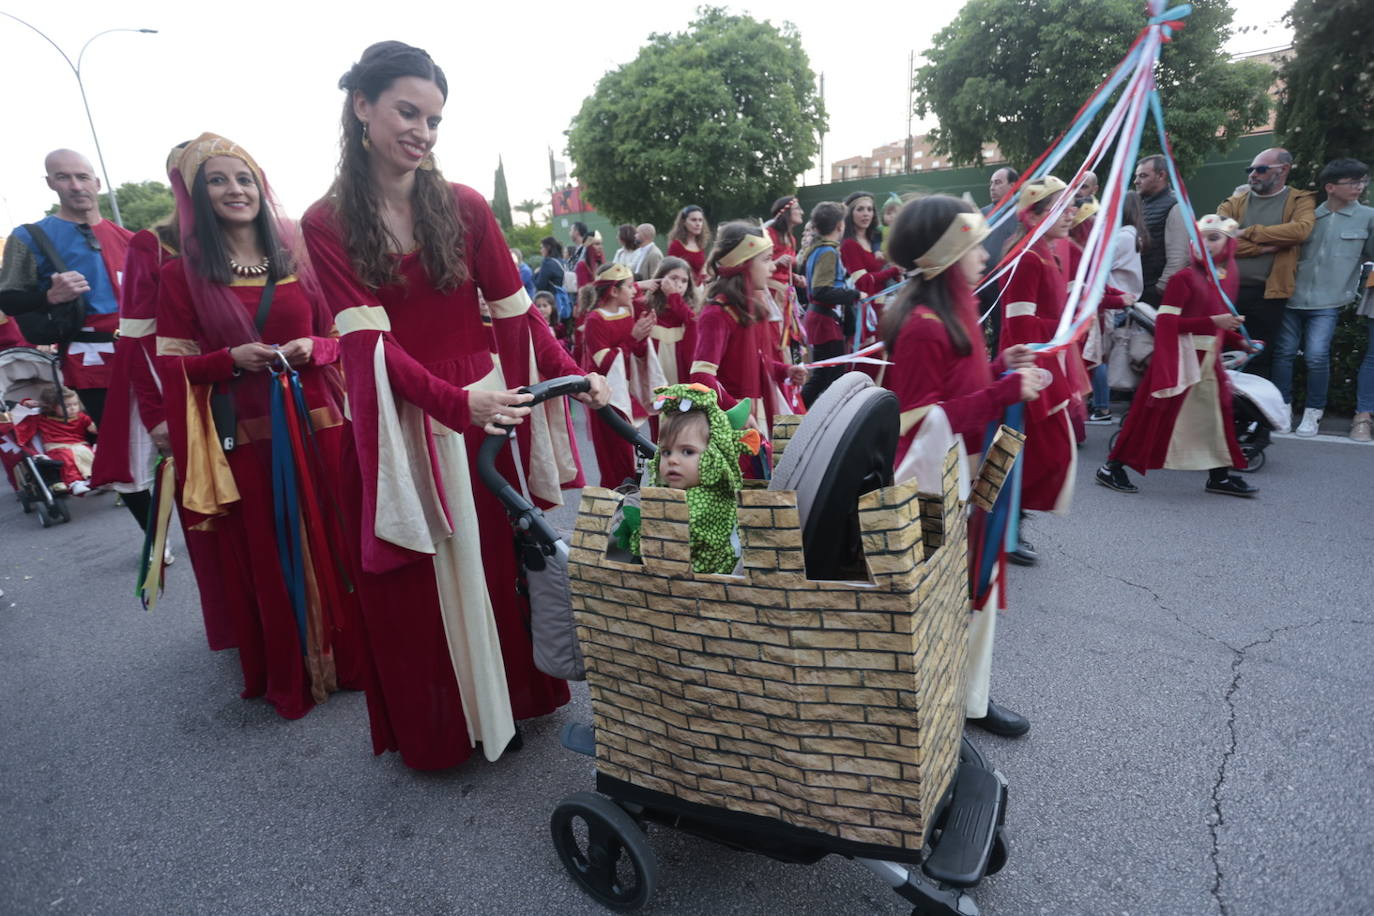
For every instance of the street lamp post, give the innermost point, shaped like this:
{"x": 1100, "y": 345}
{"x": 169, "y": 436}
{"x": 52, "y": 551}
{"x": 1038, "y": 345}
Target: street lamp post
{"x": 76, "y": 71}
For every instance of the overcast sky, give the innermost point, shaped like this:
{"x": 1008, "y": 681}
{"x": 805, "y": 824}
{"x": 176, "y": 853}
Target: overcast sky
{"x": 265, "y": 75}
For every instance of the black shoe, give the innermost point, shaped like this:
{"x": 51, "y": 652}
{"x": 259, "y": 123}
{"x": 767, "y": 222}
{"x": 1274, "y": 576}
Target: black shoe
{"x": 1101, "y": 418}
{"x": 1116, "y": 479}
{"x": 1024, "y": 554}
{"x": 1002, "y": 721}
{"x": 1232, "y": 486}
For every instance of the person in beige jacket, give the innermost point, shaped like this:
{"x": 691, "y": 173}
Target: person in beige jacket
{"x": 1275, "y": 220}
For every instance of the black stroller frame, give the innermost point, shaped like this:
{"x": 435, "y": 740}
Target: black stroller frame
{"x": 600, "y": 836}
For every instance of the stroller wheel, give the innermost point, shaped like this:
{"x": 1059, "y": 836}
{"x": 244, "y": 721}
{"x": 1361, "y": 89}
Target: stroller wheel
{"x": 47, "y": 517}
{"x": 1111, "y": 443}
{"x": 1254, "y": 458}
{"x": 60, "y": 511}
{"x": 604, "y": 851}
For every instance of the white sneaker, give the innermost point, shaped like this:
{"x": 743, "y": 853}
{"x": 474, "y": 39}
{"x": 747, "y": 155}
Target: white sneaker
{"x": 80, "y": 488}
{"x": 1287, "y": 426}
{"x": 168, "y": 558}
{"x": 1310, "y": 418}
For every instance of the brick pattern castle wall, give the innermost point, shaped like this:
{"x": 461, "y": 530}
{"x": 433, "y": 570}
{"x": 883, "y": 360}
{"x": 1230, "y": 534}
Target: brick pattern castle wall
{"x": 834, "y": 706}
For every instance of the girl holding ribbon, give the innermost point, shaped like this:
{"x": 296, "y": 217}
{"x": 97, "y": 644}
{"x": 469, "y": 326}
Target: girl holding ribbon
{"x": 948, "y": 391}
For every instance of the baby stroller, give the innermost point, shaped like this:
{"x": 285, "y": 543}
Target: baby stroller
{"x": 24, "y": 373}
{"x": 827, "y": 544}
{"x": 1256, "y": 405}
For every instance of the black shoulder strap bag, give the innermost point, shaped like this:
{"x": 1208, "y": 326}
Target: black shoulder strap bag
{"x": 222, "y": 399}
{"x": 54, "y": 324}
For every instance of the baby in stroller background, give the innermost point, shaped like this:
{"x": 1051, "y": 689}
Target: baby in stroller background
{"x": 65, "y": 430}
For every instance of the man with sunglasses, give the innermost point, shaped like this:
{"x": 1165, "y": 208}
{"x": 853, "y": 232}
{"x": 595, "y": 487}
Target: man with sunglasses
{"x": 1275, "y": 221}
{"x": 92, "y": 251}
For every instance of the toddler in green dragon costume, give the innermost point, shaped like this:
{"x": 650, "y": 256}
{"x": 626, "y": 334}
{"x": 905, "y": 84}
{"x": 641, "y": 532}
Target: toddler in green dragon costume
{"x": 699, "y": 448}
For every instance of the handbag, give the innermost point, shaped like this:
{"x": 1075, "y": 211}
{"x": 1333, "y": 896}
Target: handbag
{"x": 53, "y": 324}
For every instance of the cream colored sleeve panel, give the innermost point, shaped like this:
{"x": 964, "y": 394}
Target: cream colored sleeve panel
{"x": 137, "y": 327}
{"x": 362, "y": 318}
{"x": 177, "y": 346}
{"x": 1020, "y": 309}
{"x": 702, "y": 366}
{"x": 511, "y": 306}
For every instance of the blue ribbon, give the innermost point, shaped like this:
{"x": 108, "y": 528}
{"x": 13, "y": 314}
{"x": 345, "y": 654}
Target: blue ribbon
{"x": 286, "y": 511}
{"x": 1005, "y": 517}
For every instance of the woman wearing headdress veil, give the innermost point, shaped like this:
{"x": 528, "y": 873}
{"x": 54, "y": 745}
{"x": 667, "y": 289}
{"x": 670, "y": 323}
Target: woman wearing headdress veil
{"x": 235, "y": 305}
{"x": 403, "y": 255}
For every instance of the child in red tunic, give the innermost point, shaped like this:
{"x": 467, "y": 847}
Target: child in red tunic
{"x": 613, "y": 341}
{"x": 65, "y": 430}
{"x": 670, "y": 295}
{"x": 944, "y": 384}
{"x": 732, "y": 354}
{"x": 1181, "y": 416}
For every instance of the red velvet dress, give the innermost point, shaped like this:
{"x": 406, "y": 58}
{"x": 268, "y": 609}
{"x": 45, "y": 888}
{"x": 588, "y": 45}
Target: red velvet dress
{"x": 674, "y": 339}
{"x": 432, "y": 593}
{"x": 1181, "y": 415}
{"x": 1031, "y": 305}
{"x": 292, "y": 676}
{"x": 735, "y": 359}
{"x": 695, "y": 260}
{"x": 134, "y": 405}
{"x": 927, "y": 372}
{"x": 610, "y": 348}
{"x": 10, "y": 335}
{"x": 784, "y": 293}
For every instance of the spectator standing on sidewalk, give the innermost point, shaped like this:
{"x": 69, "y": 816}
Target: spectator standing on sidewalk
{"x": 1275, "y": 220}
{"x": 1328, "y": 280}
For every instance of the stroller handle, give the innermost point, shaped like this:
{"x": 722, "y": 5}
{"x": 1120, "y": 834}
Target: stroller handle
{"x": 524, "y": 515}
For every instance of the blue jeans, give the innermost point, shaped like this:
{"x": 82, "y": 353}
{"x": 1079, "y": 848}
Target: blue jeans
{"x": 1311, "y": 331}
{"x": 1364, "y": 397}
{"x": 1102, "y": 393}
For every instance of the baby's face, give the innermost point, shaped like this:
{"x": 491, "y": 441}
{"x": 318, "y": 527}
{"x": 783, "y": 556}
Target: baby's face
{"x": 680, "y": 464}
{"x": 73, "y": 405}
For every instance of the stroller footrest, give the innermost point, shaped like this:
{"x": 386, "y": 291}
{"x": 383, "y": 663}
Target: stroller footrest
{"x": 961, "y": 856}
{"x": 579, "y": 737}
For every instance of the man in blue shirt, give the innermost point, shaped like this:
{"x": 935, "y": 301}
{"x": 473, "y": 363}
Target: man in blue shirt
{"x": 1328, "y": 280}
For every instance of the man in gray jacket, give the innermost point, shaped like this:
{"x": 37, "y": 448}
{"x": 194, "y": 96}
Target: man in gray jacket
{"x": 1328, "y": 280}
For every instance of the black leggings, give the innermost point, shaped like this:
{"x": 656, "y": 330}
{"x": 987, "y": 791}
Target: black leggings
{"x": 822, "y": 379}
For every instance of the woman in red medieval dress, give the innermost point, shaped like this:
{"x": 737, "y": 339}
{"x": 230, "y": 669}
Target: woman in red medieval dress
{"x": 237, "y": 304}
{"x": 690, "y": 239}
{"x": 402, "y": 256}
{"x": 861, "y": 252}
{"x": 946, "y": 388}
{"x": 1181, "y": 416}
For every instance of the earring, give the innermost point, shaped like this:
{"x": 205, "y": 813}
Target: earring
{"x": 367, "y": 141}
{"x": 427, "y": 163}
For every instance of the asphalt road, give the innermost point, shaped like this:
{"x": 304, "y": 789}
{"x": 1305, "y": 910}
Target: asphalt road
{"x": 1196, "y": 668}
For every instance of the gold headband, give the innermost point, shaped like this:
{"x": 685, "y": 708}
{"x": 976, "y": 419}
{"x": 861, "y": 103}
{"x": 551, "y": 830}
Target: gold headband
{"x": 207, "y": 146}
{"x": 751, "y": 247}
{"x": 1087, "y": 211}
{"x": 1036, "y": 191}
{"x": 614, "y": 274}
{"x": 967, "y": 230}
{"x": 1214, "y": 222}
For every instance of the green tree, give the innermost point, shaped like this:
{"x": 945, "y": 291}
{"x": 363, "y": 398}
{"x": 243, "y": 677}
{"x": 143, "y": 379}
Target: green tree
{"x": 500, "y": 203}
{"x": 526, "y": 238}
{"x": 1016, "y": 73}
{"x": 724, "y": 115}
{"x": 141, "y": 204}
{"x": 528, "y": 207}
{"x": 1326, "y": 107}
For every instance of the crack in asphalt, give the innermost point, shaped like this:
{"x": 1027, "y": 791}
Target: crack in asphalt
{"x": 1238, "y": 655}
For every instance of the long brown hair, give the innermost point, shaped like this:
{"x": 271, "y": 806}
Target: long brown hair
{"x": 655, "y": 299}
{"x": 679, "y": 231}
{"x": 438, "y": 225}
{"x": 918, "y": 226}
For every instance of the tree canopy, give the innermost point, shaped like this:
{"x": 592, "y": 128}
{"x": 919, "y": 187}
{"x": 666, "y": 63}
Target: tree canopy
{"x": 1015, "y": 72}
{"x": 141, "y": 204}
{"x": 1326, "y": 108}
{"x": 724, "y": 115}
{"x": 500, "y": 202}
